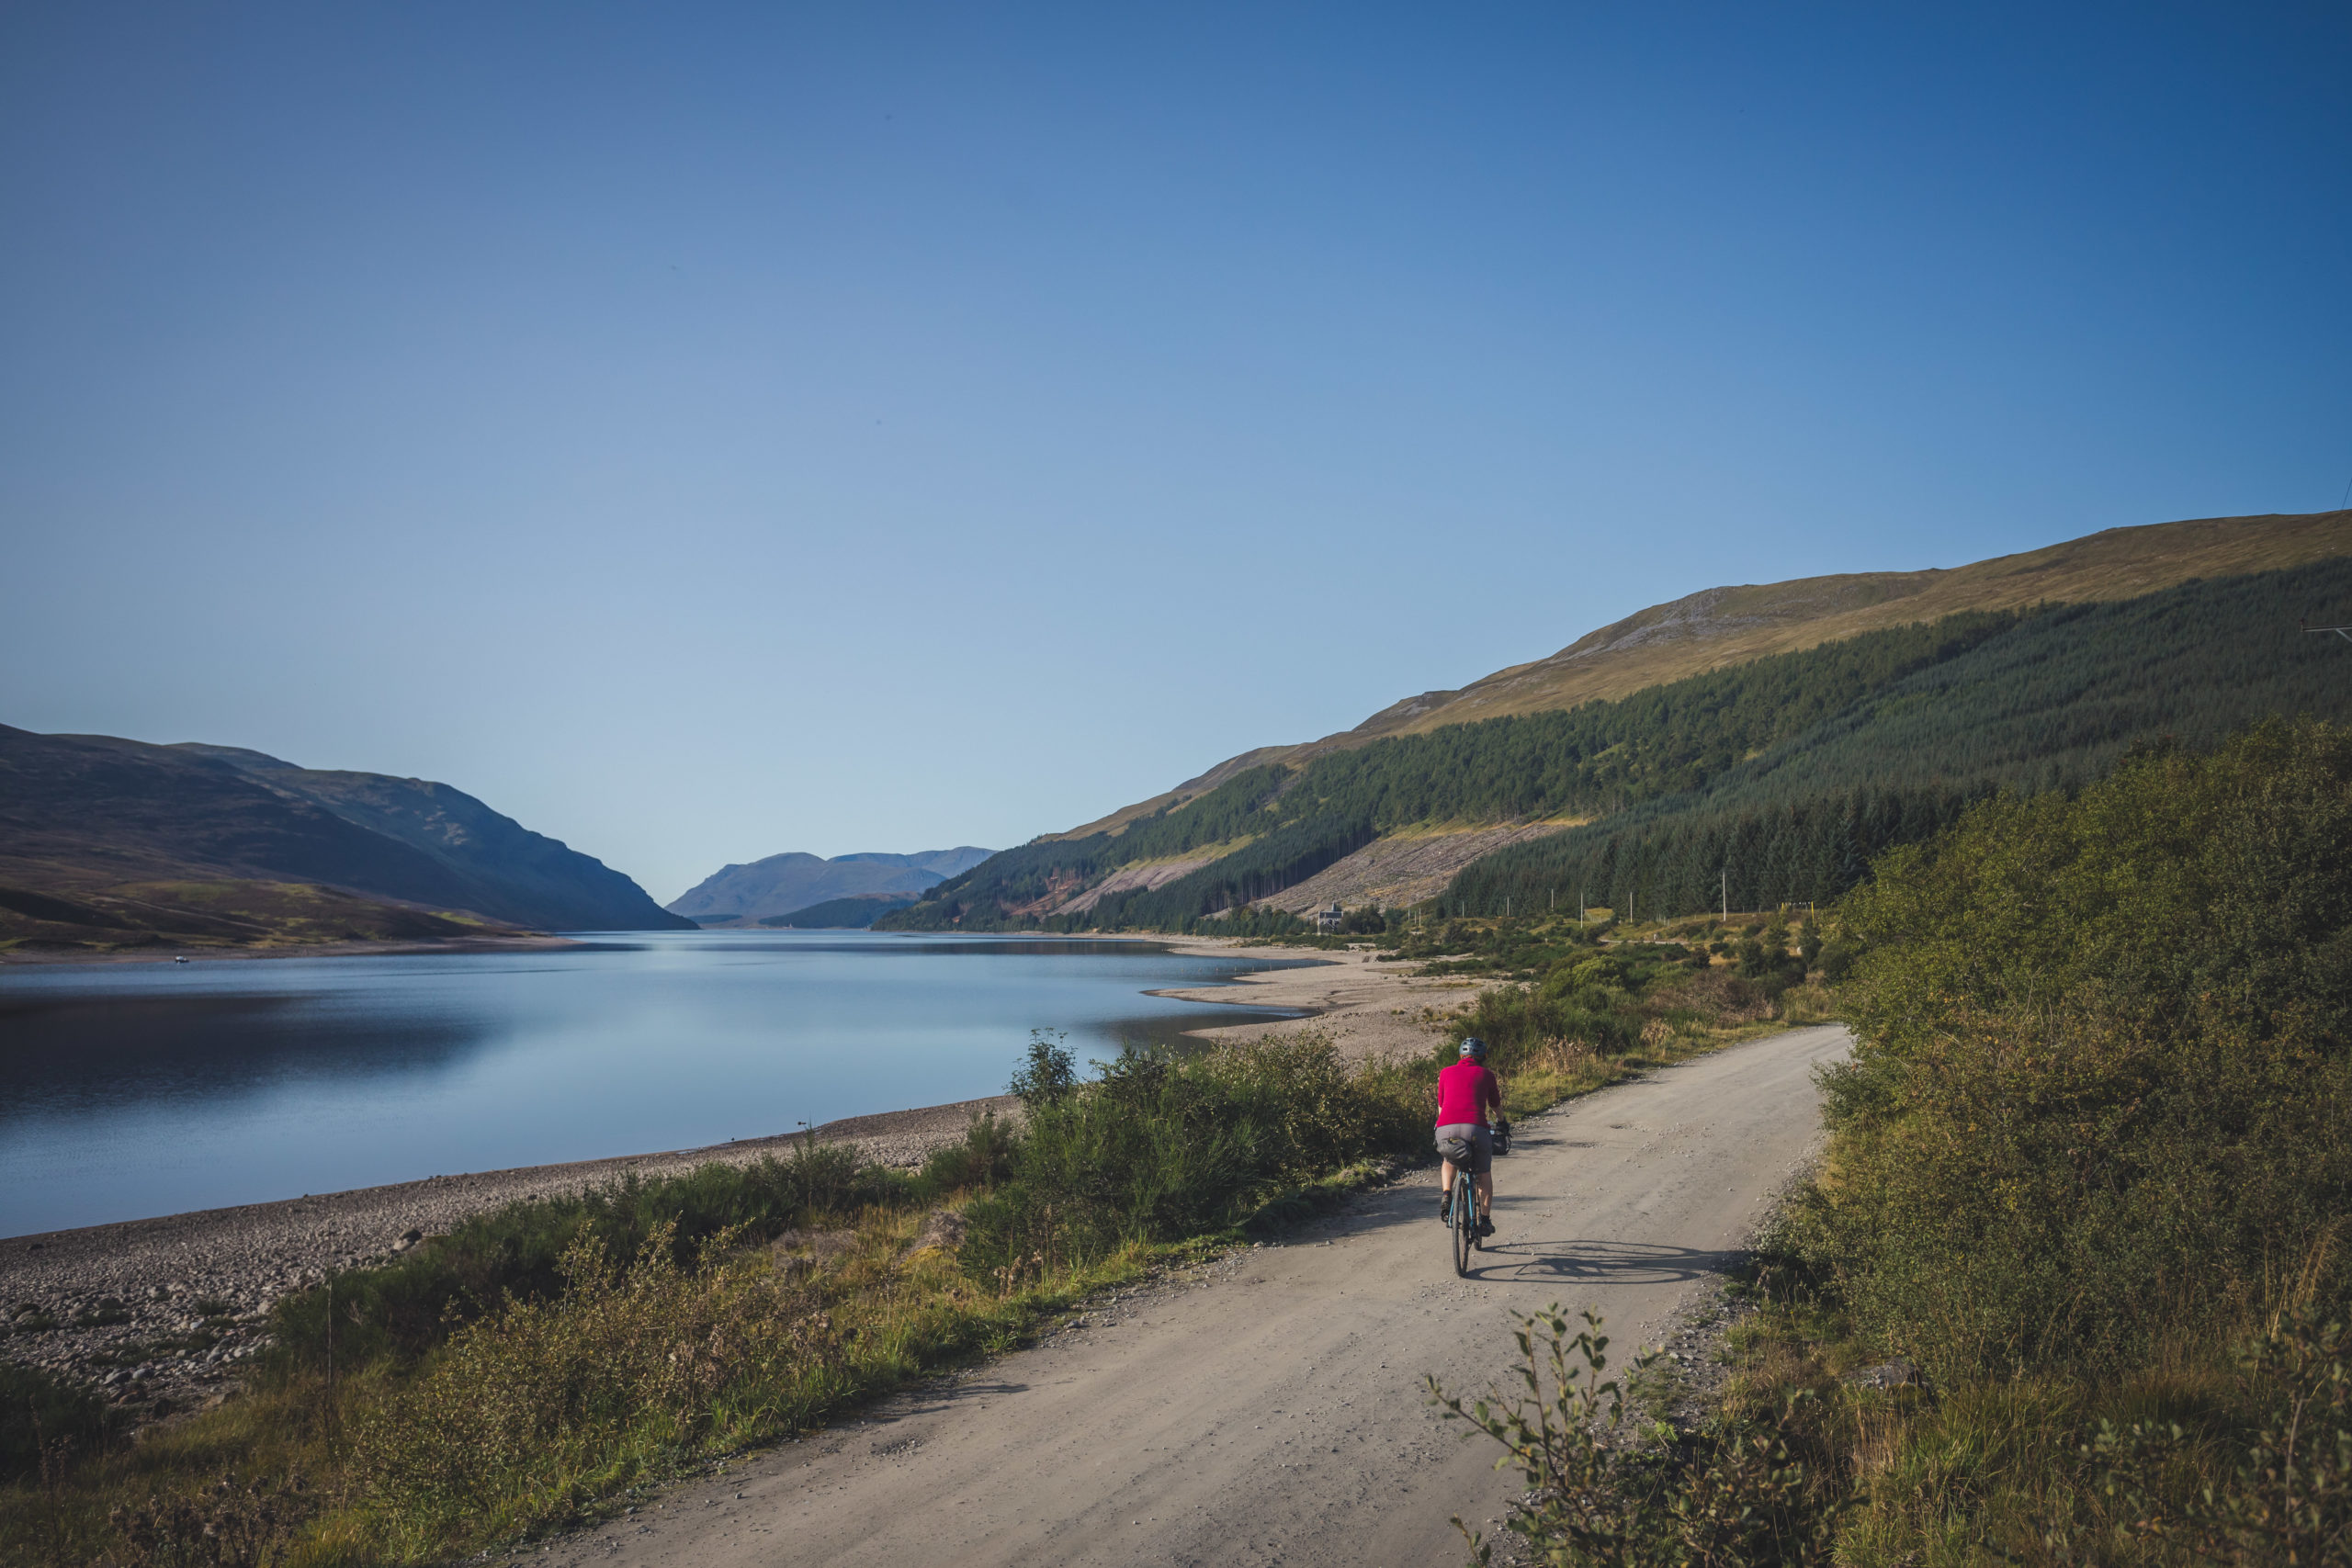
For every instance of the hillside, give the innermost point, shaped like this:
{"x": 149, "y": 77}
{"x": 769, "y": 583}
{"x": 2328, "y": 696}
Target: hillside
{"x": 2040, "y": 694}
{"x": 785, "y": 884}
{"x": 2054, "y": 703}
{"x": 854, "y": 913}
{"x": 1717, "y": 627}
{"x": 106, "y": 842}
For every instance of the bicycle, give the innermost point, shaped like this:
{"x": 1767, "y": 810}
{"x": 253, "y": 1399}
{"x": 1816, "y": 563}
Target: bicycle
{"x": 1463, "y": 1224}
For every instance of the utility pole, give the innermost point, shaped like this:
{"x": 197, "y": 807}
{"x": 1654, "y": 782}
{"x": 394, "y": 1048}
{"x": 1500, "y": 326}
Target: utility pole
{"x": 1727, "y": 892}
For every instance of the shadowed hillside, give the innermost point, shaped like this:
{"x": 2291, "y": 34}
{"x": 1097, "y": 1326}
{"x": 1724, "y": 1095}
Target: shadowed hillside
{"x": 106, "y": 841}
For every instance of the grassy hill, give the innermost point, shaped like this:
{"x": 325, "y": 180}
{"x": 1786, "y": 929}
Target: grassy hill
{"x": 1718, "y": 628}
{"x": 2054, "y": 702}
{"x": 110, "y": 843}
{"x": 1885, "y": 731}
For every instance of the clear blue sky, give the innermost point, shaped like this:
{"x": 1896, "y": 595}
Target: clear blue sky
{"x": 703, "y": 431}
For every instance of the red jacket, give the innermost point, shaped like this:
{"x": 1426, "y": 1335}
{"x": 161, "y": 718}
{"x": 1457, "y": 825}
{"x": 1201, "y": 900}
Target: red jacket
{"x": 1464, "y": 1092}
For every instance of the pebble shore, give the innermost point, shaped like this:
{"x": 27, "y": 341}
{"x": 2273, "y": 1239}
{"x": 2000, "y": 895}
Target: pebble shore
{"x": 160, "y": 1312}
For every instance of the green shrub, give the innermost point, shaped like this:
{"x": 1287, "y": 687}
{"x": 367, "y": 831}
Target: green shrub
{"x": 986, "y": 1157}
{"x": 2127, "y": 1112}
{"x": 1051, "y": 1072}
{"x": 1165, "y": 1145}
{"x": 541, "y": 1404}
{"x": 1517, "y": 1020}
{"x": 1739, "y": 1492}
{"x": 403, "y": 1309}
{"x": 2286, "y": 1497}
{"x": 2088, "y": 1169}
{"x": 39, "y": 1412}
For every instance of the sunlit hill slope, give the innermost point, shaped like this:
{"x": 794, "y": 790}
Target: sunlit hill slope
{"x": 1667, "y": 704}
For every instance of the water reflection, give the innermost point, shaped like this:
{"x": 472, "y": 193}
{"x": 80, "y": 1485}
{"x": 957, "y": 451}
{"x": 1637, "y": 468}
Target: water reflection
{"x": 86, "y": 1054}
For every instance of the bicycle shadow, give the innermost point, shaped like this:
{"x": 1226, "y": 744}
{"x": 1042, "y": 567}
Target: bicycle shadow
{"x": 1587, "y": 1261}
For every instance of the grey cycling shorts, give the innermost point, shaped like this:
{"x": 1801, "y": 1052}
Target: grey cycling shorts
{"x": 1479, "y": 1140}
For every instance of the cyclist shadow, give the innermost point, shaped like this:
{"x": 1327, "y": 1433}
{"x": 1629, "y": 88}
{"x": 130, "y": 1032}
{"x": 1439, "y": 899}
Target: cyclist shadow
{"x": 1596, "y": 1262}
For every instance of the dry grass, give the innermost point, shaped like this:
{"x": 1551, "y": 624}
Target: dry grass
{"x": 543, "y": 1412}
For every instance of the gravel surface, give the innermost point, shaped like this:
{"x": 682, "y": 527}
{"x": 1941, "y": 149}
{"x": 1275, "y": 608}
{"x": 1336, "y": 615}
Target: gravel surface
{"x": 1269, "y": 1408}
{"x": 1371, "y": 1010}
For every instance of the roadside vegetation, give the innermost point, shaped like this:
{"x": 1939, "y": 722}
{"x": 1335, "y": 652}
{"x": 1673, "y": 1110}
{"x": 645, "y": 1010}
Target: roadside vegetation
{"x": 2072, "y": 1284}
{"x": 547, "y": 1362}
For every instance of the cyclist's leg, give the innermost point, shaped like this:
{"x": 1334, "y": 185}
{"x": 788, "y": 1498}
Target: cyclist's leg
{"x": 1447, "y": 1137}
{"x": 1484, "y": 1185}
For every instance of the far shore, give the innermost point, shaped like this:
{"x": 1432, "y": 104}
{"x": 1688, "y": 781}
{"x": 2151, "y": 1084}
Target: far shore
{"x": 529, "y": 942}
{"x": 164, "y": 952}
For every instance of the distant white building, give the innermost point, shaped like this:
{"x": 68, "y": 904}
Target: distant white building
{"x": 1331, "y": 920}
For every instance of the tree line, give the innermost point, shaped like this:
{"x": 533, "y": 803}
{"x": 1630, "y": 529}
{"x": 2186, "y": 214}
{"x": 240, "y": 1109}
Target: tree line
{"x": 2052, "y": 704}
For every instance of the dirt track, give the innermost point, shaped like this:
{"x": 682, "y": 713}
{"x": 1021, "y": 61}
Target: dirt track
{"x": 1269, "y": 1409}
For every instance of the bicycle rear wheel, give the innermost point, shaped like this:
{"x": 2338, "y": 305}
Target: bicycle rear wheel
{"x": 1465, "y": 1222}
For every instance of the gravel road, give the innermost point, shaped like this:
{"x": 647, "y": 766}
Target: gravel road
{"x": 1267, "y": 1408}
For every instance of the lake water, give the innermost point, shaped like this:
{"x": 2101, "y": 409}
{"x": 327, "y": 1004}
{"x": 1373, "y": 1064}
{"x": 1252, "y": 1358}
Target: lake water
{"x": 134, "y": 1089}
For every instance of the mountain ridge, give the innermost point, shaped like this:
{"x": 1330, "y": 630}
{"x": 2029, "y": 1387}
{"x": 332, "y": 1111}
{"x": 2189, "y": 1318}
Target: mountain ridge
{"x": 796, "y": 881}
{"x": 105, "y": 839}
{"x": 1733, "y": 623}
{"x": 1572, "y": 748}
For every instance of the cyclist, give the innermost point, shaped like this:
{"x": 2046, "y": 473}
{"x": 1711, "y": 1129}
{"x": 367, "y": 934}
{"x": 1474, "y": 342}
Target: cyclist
{"x": 1465, "y": 1091}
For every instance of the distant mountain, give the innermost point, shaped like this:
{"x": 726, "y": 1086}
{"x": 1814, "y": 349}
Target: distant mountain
{"x": 107, "y": 841}
{"x": 840, "y": 914}
{"x": 786, "y": 884}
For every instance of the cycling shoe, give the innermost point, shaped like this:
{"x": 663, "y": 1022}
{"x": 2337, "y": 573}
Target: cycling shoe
{"x": 1486, "y": 1229}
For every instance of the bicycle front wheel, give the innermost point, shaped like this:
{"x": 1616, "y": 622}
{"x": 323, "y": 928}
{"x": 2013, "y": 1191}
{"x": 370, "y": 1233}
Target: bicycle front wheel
{"x": 1465, "y": 1222}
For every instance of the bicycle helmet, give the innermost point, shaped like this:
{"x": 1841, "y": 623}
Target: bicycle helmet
{"x": 1473, "y": 1049}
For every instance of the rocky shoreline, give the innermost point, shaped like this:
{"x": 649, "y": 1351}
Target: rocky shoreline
{"x": 161, "y": 1312}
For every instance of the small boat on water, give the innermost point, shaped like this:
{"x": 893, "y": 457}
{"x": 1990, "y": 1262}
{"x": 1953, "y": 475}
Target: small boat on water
{"x": 181, "y": 959}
